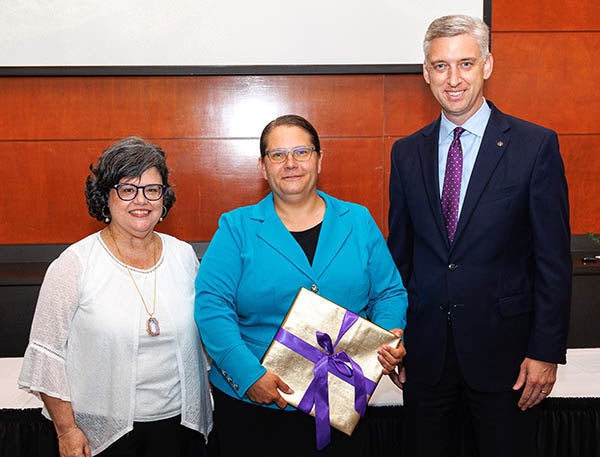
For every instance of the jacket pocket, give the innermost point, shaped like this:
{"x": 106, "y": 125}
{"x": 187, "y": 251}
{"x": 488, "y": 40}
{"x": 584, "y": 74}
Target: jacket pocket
{"x": 515, "y": 305}
{"x": 501, "y": 193}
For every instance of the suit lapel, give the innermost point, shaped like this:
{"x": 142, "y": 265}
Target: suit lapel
{"x": 428, "y": 154}
{"x": 494, "y": 143}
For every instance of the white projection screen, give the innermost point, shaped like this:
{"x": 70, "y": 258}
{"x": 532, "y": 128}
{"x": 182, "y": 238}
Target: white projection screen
{"x": 49, "y": 37}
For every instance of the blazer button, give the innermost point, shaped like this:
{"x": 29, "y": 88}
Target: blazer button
{"x": 229, "y": 380}
{"x": 224, "y": 373}
{"x": 452, "y": 267}
{"x": 314, "y": 288}
{"x": 236, "y": 387}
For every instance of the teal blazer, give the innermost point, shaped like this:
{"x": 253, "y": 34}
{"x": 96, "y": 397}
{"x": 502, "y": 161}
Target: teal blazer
{"x": 253, "y": 268}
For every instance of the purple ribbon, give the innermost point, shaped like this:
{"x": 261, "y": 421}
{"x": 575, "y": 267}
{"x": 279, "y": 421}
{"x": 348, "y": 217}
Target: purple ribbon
{"x": 339, "y": 364}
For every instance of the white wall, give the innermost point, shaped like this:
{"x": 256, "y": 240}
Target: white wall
{"x": 218, "y": 32}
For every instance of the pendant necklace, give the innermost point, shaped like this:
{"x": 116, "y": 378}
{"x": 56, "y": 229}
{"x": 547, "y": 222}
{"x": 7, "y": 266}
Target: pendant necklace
{"x": 152, "y": 327}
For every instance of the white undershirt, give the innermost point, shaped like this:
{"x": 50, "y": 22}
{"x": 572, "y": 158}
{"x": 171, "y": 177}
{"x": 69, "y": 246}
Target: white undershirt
{"x": 158, "y": 391}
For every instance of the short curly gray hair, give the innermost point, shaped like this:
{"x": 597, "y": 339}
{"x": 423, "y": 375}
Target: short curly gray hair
{"x": 129, "y": 157}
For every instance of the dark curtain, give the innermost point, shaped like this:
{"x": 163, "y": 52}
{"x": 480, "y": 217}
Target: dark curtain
{"x": 26, "y": 433}
{"x": 569, "y": 427}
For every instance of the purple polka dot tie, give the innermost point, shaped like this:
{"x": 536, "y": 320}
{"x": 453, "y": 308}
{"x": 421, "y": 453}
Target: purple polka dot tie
{"x": 451, "y": 189}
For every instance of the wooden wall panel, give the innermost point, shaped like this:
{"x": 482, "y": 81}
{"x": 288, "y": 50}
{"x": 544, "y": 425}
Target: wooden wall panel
{"x": 185, "y": 106}
{"x": 212, "y": 177}
{"x": 52, "y": 128}
{"x": 209, "y": 178}
{"x": 42, "y": 199}
{"x": 582, "y": 165}
{"x": 46, "y": 181}
{"x": 539, "y": 15}
{"x": 408, "y": 104}
{"x": 353, "y": 169}
{"x": 548, "y": 78}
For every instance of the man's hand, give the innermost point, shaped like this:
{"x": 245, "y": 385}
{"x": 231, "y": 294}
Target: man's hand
{"x": 538, "y": 378}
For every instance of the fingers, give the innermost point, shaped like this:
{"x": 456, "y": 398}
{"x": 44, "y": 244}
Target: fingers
{"x": 533, "y": 396}
{"x": 387, "y": 361}
{"x": 396, "y": 379}
{"x": 390, "y": 357}
{"x": 538, "y": 377}
{"x": 520, "y": 379}
{"x": 534, "y": 393}
{"x": 284, "y": 387}
{"x": 396, "y": 331}
{"x": 73, "y": 444}
{"x": 398, "y": 376}
{"x": 266, "y": 390}
{"x": 280, "y": 402}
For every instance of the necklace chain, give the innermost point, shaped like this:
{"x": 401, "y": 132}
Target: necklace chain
{"x": 151, "y": 314}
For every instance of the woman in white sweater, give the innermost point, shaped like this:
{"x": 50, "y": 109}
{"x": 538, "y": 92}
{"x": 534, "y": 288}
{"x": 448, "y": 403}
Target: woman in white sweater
{"x": 114, "y": 352}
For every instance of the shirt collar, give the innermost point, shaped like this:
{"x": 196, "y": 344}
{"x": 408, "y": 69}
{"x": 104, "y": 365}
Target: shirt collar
{"x": 475, "y": 124}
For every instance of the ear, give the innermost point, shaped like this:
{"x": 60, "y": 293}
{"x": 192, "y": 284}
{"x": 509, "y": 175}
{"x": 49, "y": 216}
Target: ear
{"x": 262, "y": 168}
{"x": 319, "y": 162}
{"x": 488, "y": 66}
{"x": 425, "y": 72}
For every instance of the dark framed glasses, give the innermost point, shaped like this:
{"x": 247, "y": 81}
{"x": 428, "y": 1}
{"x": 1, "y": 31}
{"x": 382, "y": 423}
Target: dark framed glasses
{"x": 128, "y": 192}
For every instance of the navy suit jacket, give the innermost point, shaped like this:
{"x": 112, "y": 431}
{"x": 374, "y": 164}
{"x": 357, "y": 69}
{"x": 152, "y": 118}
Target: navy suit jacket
{"x": 505, "y": 282}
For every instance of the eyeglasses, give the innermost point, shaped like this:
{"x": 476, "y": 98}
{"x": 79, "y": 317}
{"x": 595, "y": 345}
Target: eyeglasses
{"x": 300, "y": 153}
{"x": 128, "y": 192}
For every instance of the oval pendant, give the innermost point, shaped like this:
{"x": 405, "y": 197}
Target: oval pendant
{"x": 152, "y": 327}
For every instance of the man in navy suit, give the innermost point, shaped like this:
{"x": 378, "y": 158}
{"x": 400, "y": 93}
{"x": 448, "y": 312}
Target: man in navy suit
{"x": 485, "y": 256}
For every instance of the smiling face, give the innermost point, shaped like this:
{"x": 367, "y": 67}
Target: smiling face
{"x": 455, "y": 72}
{"x": 137, "y": 217}
{"x": 290, "y": 180}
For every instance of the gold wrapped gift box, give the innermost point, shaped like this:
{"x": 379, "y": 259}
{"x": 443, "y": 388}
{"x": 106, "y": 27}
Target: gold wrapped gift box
{"x": 359, "y": 339}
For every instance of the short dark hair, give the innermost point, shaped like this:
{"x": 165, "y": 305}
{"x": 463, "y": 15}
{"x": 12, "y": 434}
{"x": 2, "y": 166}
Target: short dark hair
{"x": 291, "y": 120}
{"x": 129, "y": 157}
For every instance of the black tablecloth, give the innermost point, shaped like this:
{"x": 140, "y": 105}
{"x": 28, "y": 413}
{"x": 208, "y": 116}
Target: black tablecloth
{"x": 26, "y": 433}
{"x": 569, "y": 427}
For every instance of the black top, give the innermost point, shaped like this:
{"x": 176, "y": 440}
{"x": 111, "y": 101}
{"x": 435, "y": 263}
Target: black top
{"x": 307, "y": 239}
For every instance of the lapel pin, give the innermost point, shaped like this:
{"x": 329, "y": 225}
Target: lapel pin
{"x": 500, "y": 143}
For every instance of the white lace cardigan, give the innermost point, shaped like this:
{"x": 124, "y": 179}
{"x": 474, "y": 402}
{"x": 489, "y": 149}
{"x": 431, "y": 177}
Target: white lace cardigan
{"x": 84, "y": 337}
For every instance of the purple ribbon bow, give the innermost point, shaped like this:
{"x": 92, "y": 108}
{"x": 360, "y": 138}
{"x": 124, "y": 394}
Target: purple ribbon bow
{"x": 339, "y": 364}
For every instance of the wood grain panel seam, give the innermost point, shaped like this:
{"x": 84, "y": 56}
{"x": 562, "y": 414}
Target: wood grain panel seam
{"x": 538, "y": 32}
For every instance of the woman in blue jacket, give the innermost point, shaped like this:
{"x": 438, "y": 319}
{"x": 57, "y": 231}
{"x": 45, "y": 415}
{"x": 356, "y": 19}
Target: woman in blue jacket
{"x": 259, "y": 257}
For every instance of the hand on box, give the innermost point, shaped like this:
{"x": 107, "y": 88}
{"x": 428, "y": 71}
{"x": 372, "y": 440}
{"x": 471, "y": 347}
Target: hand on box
{"x": 390, "y": 358}
{"x": 266, "y": 390}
